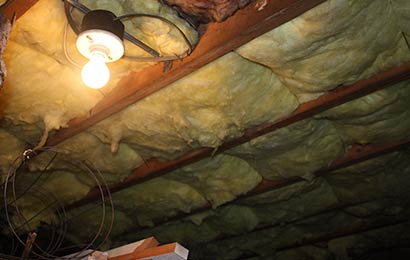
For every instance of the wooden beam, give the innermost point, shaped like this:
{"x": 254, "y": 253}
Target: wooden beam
{"x": 356, "y": 154}
{"x": 147, "y": 243}
{"x": 154, "y": 168}
{"x": 218, "y": 40}
{"x": 344, "y": 232}
{"x": 333, "y": 208}
{"x": 4, "y": 37}
{"x": 18, "y": 7}
{"x": 366, "y": 225}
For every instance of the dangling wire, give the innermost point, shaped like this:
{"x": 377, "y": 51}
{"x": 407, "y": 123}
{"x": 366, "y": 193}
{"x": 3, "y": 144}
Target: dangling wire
{"x": 58, "y": 236}
{"x": 21, "y": 216}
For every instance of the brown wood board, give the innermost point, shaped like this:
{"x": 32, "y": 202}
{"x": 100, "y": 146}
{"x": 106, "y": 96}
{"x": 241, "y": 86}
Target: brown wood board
{"x": 218, "y": 40}
{"x": 19, "y": 7}
{"x": 154, "y": 168}
{"x": 356, "y": 154}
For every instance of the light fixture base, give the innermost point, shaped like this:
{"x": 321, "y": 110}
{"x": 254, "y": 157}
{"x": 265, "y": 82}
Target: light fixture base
{"x": 102, "y": 41}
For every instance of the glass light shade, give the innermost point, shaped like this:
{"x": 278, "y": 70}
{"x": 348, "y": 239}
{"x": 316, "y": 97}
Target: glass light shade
{"x": 95, "y": 73}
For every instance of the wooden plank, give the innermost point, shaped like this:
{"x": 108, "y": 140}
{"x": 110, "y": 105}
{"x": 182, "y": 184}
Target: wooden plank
{"x": 154, "y": 168}
{"x": 147, "y": 243}
{"x": 19, "y": 7}
{"x": 218, "y": 40}
{"x": 121, "y": 253}
{"x": 173, "y": 251}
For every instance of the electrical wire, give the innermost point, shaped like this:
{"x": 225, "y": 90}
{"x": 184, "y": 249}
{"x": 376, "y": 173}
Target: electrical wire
{"x": 184, "y": 36}
{"x": 52, "y": 243}
{"x": 104, "y": 192}
{"x": 25, "y": 221}
{"x": 9, "y": 257}
{"x": 35, "y": 180}
{"x": 69, "y": 4}
{"x": 57, "y": 235}
{"x": 66, "y": 54}
{"x": 127, "y": 16}
{"x": 406, "y": 40}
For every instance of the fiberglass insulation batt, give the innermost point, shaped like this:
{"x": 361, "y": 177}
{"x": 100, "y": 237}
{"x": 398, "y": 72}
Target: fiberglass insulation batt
{"x": 49, "y": 92}
{"x": 38, "y": 37}
{"x": 336, "y": 43}
{"x": 298, "y": 211}
{"x": 203, "y": 109}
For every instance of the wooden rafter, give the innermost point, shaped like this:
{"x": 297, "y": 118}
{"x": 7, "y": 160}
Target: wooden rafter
{"x": 359, "y": 227}
{"x": 356, "y": 154}
{"x": 218, "y": 40}
{"x": 303, "y": 217}
{"x": 18, "y": 7}
{"x": 344, "y": 232}
{"x": 154, "y": 168}
{"x": 139, "y": 91}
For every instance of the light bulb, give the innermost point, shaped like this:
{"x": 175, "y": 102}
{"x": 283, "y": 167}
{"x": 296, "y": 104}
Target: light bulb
{"x": 95, "y": 73}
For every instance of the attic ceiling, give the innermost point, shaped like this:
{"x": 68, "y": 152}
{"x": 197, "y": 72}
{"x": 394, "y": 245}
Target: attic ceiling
{"x": 284, "y": 135}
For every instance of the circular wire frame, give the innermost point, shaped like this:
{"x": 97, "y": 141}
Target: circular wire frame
{"x": 57, "y": 236}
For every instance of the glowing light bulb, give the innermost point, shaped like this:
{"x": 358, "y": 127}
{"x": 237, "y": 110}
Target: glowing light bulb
{"x": 95, "y": 73}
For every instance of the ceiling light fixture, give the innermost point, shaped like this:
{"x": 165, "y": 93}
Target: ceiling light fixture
{"x": 100, "y": 41}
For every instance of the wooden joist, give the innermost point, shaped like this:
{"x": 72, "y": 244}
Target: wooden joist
{"x": 365, "y": 225}
{"x": 4, "y": 36}
{"x": 17, "y": 7}
{"x": 218, "y": 40}
{"x": 344, "y": 232}
{"x": 356, "y": 154}
{"x": 154, "y": 168}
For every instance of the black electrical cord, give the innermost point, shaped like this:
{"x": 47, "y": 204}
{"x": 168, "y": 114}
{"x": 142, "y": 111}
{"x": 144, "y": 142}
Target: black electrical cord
{"x": 69, "y": 4}
{"x": 35, "y": 180}
{"x": 127, "y": 16}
